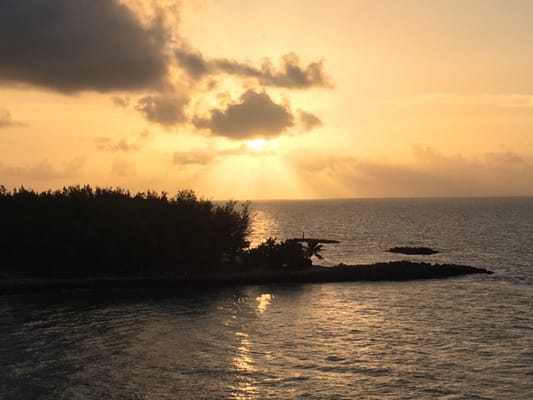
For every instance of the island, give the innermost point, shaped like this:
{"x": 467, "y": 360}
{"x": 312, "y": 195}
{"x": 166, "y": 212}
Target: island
{"x": 80, "y": 237}
{"x": 413, "y": 250}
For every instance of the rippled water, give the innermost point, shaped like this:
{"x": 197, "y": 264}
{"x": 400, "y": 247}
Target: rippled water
{"x": 469, "y": 337}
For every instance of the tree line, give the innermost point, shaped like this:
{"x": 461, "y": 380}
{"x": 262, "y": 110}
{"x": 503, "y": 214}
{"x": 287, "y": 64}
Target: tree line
{"x": 80, "y": 230}
{"x": 84, "y": 231}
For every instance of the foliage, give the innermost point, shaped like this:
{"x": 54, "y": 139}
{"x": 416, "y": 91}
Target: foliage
{"x": 313, "y": 249}
{"x": 80, "y": 231}
{"x": 285, "y": 254}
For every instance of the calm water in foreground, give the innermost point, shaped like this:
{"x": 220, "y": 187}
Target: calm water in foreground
{"x": 468, "y": 337}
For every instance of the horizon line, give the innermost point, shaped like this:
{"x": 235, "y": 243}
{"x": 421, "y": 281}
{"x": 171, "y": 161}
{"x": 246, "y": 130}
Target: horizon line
{"x": 450, "y": 197}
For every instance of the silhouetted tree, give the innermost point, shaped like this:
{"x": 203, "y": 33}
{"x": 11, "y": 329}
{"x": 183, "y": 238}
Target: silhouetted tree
{"x": 313, "y": 249}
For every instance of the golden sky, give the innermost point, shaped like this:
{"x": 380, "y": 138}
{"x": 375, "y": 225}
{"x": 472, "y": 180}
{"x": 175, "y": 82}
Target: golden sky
{"x": 269, "y": 99}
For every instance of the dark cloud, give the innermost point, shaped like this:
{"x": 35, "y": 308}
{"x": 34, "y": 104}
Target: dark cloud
{"x": 6, "y": 119}
{"x": 166, "y": 110}
{"x": 289, "y": 74}
{"x": 193, "y": 63}
{"x": 79, "y": 45}
{"x": 292, "y": 75}
{"x": 308, "y": 121}
{"x": 256, "y": 115}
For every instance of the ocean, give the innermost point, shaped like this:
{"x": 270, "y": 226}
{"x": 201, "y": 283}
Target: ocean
{"x": 461, "y": 338}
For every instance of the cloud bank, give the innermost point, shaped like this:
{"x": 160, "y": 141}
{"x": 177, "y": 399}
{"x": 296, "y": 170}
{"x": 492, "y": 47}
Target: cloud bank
{"x": 131, "y": 51}
{"x": 431, "y": 174}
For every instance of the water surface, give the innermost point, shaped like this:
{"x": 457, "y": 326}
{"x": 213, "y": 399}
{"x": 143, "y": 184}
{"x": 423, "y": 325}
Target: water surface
{"x": 461, "y": 338}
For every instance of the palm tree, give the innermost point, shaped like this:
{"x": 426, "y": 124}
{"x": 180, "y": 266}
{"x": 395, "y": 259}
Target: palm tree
{"x": 313, "y": 248}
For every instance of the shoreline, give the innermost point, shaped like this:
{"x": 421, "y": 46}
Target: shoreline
{"x": 387, "y": 271}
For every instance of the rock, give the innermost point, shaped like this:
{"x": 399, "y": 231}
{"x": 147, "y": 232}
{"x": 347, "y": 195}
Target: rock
{"x": 413, "y": 250}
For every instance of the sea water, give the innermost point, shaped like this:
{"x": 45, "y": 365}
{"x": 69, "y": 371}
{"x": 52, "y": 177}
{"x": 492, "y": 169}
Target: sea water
{"x": 462, "y": 338}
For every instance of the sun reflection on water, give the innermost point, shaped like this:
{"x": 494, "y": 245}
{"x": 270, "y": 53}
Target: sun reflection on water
{"x": 248, "y": 361}
{"x": 263, "y": 226}
{"x": 263, "y": 302}
{"x": 244, "y": 363}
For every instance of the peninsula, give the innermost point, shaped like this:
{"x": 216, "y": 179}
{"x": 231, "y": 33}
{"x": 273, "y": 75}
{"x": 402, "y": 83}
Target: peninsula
{"x": 82, "y": 237}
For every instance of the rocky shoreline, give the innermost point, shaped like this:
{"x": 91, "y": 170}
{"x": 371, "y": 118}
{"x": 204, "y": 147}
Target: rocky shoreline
{"x": 391, "y": 271}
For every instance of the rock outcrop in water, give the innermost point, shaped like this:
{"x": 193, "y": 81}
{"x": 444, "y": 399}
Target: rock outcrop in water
{"x": 391, "y": 271}
{"x": 413, "y": 250}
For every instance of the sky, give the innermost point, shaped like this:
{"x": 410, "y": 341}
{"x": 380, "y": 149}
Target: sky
{"x": 239, "y": 99}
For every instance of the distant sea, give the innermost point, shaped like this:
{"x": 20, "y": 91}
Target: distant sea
{"x": 462, "y": 338}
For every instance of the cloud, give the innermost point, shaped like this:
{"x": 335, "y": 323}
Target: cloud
{"x": 106, "y": 143}
{"x": 6, "y": 120}
{"x": 122, "y": 102}
{"x": 308, "y": 121}
{"x": 430, "y": 174}
{"x": 255, "y": 115}
{"x": 71, "y": 46}
{"x": 41, "y": 171}
{"x": 122, "y": 145}
{"x": 194, "y": 157}
{"x": 165, "y": 110}
{"x": 289, "y": 74}
{"x": 194, "y": 63}
{"x": 292, "y": 75}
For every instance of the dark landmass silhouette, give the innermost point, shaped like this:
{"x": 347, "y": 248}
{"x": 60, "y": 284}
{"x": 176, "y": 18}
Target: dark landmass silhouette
{"x": 80, "y": 237}
{"x": 391, "y": 271}
{"x": 413, "y": 250}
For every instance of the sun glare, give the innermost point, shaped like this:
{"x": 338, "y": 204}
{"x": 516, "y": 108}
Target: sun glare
{"x": 257, "y": 144}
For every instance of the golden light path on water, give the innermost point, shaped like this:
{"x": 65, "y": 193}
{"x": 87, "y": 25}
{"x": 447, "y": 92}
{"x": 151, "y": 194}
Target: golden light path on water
{"x": 263, "y": 302}
{"x": 244, "y": 361}
{"x": 263, "y": 226}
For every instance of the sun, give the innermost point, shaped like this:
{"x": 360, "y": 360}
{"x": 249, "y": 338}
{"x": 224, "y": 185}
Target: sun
{"x": 257, "y": 144}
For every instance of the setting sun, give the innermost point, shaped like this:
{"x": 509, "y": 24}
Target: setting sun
{"x": 257, "y": 144}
